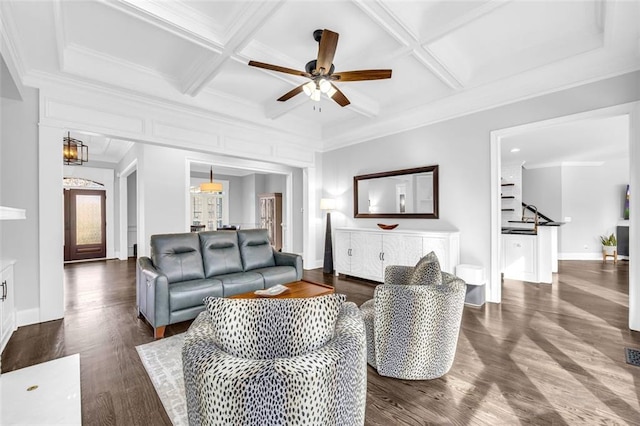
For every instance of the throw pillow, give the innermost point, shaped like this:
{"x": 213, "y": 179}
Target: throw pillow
{"x": 427, "y": 271}
{"x": 273, "y": 328}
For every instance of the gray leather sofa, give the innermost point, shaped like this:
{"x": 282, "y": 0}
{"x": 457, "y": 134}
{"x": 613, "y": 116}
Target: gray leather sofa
{"x": 186, "y": 268}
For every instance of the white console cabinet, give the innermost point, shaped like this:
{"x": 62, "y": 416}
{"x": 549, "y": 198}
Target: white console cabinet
{"x": 365, "y": 253}
{"x": 7, "y": 310}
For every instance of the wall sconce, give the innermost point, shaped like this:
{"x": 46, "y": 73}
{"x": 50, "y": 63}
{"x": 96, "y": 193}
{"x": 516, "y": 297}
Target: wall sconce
{"x": 74, "y": 151}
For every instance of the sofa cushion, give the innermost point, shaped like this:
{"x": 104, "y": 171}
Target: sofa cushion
{"x": 277, "y": 275}
{"x": 255, "y": 249}
{"x": 188, "y": 294}
{"x": 240, "y": 282}
{"x": 177, "y": 256}
{"x": 427, "y": 271}
{"x": 273, "y": 328}
{"x": 220, "y": 252}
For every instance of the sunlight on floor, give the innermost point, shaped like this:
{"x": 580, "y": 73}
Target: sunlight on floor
{"x": 54, "y": 400}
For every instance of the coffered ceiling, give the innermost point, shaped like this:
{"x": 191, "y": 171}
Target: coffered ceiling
{"x": 449, "y": 58}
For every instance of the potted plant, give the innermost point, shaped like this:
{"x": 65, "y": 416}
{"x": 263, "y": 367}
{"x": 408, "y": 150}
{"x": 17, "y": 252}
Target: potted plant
{"x": 609, "y": 244}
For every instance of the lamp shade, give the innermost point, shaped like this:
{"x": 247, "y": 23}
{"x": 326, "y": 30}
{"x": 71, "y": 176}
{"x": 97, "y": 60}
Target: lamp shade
{"x": 210, "y": 186}
{"x": 327, "y": 204}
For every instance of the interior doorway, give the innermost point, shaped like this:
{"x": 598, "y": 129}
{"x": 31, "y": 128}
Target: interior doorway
{"x": 629, "y": 111}
{"x": 85, "y": 224}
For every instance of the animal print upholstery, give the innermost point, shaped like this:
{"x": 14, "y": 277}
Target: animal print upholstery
{"x": 325, "y": 386}
{"x": 427, "y": 271}
{"x": 276, "y": 328}
{"x": 412, "y": 330}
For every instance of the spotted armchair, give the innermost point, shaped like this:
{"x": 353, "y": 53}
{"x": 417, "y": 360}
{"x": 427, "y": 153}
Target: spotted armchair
{"x": 413, "y": 321}
{"x": 276, "y": 362}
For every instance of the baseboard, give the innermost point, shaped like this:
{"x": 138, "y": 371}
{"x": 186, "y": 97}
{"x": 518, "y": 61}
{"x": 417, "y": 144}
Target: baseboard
{"x": 27, "y": 317}
{"x": 579, "y": 256}
{"x": 313, "y": 265}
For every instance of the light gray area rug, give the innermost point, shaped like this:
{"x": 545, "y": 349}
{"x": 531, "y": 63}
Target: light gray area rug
{"x": 163, "y": 361}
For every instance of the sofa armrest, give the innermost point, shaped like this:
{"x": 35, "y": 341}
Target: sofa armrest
{"x": 289, "y": 259}
{"x": 153, "y": 293}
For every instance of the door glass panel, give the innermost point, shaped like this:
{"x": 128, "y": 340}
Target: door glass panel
{"x": 88, "y": 219}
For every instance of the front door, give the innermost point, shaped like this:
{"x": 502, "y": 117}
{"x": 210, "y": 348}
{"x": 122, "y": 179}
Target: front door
{"x": 84, "y": 224}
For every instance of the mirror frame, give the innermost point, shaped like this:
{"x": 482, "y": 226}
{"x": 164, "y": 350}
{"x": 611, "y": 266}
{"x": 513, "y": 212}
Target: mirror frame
{"x": 426, "y": 169}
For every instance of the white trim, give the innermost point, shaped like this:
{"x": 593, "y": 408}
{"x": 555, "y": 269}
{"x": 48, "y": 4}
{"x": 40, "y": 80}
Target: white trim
{"x": 27, "y": 317}
{"x": 288, "y": 224}
{"x": 493, "y": 290}
{"x": 580, "y": 256}
{"x": 634, "y": 223}
{"x": 123, "y": 234}
{"x": 50, "y": 220}
{"x": 10, "y": 213}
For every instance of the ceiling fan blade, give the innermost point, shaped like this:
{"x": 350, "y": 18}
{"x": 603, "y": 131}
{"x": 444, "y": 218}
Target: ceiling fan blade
{"x": 291, "y": 93}
{"x": 279, "y": 69}
{"x": 339, "y": 97}
{"x": 361, "y": 75}
{"x": 326, "y": 51}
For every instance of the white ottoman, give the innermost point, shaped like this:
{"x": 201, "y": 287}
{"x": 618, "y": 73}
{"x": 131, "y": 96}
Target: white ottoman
{"x": 473, "y": 275}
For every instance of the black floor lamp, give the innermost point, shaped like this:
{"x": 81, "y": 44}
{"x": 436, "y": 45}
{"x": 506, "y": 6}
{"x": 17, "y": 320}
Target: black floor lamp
{"x": 328, "y": 204}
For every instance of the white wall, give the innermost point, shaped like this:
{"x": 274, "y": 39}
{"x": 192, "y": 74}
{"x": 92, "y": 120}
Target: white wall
{"x": 542, "y": 187}
{"x": 163, "y": 187}
{"x": 592, "y": 197}
{"x": 19, "y": 189}
{"x": 249, "y": 201}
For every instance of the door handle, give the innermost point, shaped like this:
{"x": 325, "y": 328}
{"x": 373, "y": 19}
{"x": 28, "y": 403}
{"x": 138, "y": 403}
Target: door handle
{"x": 4, "y": 290}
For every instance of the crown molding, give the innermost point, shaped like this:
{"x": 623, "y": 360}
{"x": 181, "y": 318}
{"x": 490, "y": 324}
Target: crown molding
{"x": 63, "y": 84}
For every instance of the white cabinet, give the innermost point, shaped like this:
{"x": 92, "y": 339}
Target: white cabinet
{"x": 519, "y": 257}
{"x": 349, "y": 253}
{"x": 530, "y": 257}
{"x": 365, "y": 253}
{"x": 7, "y": 310}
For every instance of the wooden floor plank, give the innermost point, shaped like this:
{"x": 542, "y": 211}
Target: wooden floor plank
{"x": 549, "y": 354}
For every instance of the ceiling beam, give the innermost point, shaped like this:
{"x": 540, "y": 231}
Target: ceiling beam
{"x": 256, "y": 15}
{"x": 389, "y": 22}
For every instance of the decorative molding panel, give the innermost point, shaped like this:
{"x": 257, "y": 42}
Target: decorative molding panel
{"x": 260, "y": 149}
{"x": 90, "y": 117}
{"x": 190, "y": 136}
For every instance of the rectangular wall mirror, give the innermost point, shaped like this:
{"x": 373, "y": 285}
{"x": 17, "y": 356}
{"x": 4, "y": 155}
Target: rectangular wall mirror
{"x": 408, "y": 193}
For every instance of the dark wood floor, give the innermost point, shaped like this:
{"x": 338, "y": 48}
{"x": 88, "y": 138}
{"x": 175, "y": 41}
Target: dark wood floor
{"x": 549, "y": 354}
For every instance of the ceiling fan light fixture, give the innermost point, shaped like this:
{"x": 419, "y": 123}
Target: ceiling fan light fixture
{"x": 332, "y": 91}
{"x": 324, "y": 85}
{"x": 315, "y": 96}
{"x": 309, "y": 88}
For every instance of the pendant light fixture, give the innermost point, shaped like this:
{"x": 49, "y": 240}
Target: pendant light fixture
{"x": 211, "y": 186}
{"x": 74, "y": 151}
